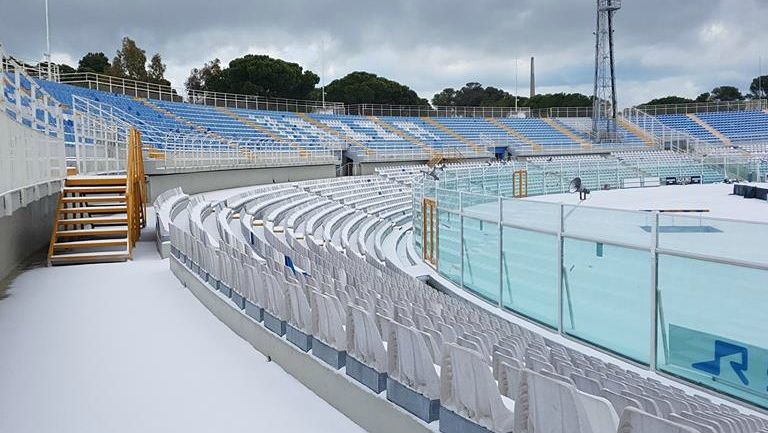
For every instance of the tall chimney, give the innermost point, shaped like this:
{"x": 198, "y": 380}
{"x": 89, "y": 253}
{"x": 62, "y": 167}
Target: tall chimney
{"x": 533, "y": 79}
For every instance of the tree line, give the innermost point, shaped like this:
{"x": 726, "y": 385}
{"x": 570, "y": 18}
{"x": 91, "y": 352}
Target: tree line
{"x": 264, "y": 76}
{"x": 130, "y": 61}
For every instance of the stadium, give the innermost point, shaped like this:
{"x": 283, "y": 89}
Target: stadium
{"x": 206, "y": 260}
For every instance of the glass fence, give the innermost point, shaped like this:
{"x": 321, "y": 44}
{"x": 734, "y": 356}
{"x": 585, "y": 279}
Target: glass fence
{"x": 686, "y": 295}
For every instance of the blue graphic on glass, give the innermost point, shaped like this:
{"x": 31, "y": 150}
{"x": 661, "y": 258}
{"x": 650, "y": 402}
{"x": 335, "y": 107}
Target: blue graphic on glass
{"x": 723, "y": 349}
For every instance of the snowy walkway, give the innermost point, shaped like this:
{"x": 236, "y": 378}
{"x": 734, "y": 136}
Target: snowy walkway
{"x": 125, "y": 348}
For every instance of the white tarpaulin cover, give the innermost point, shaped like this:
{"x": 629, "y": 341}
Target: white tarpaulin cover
{"x": 410, "y": 361}
{"x": 364, "y": 341}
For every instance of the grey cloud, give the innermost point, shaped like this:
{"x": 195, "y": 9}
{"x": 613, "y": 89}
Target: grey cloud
{"x": 682, "y": 47}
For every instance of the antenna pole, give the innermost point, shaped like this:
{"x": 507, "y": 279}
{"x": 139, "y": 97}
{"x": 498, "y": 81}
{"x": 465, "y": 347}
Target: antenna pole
{"x": 48, "y": 42}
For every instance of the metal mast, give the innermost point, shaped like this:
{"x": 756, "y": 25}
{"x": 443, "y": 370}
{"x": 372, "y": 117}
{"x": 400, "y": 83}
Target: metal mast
{"x": 604, "y": 104}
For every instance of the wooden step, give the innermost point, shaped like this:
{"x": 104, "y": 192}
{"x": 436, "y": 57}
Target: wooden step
{"x": 94, "y": 189}
{"x": 106, "y": 220}
{"x": 94, "y": 199}
{"x": 92, "y": 243}
{"x": 90, "y": 257}
{"x": 113, "y": 231}
{"x": 95, "y": 180}
{"x": 95, "y": 209}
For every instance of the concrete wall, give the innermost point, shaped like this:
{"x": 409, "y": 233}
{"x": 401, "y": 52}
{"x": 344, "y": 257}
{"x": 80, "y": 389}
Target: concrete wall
{"x": 26, "y": 231}
{"x": 366, "y": 168}
{"x": 204, "y": 181}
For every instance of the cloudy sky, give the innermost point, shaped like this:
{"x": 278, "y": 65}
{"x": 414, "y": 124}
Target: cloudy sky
{"x": 683, "y": 47}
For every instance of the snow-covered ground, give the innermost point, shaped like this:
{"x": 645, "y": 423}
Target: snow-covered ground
{"x": 715, "y": 197}
{"x": 125, "y": 348}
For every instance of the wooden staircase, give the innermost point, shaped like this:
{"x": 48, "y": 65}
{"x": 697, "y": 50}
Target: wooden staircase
{"x": 725, "y": 140}
{"x": 568, "y": 133}
{"x": 535, "y": 146}
{"x": 453, "y": 134}
{"x": 637, "y": 131}
{"x": 99, "y": 218}
{"x": 402, "y": 134}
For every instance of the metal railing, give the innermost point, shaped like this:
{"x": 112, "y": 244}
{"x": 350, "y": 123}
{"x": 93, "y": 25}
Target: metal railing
{"x": 123, "y": 86}
{"x": 31, "y": 132}
{"x": 434, "y": 111}
{"x": 255, "y": 102}
{"x": 705, "y": 107}
{"x": 562, "y": 112}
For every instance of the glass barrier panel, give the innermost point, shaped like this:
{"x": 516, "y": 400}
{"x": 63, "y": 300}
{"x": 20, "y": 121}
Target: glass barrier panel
{"x": 627, "y": 227}
{"x": 713, "y": 237}
{"x": 447, "y": 199}
{"x": 531, "y": 214}
{"x": 712, "y": 326}
{"x": 481, "y": 258}
{"x": 529, "y": 274}
{"x": 480, "y": 206}
{"x": 607, "y": 297}
{"x": 449, "y": 245}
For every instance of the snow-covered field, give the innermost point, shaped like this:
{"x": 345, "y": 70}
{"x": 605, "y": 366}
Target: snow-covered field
{"x": 715, "y": 197}
{"x": 125, "y": 348}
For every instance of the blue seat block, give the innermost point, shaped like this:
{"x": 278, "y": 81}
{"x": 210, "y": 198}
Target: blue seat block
{"x": 450, "y": 422}
{"x": 274, "y": 324}
{"x": 238, "y": 300}
{"x": 421, "y": 407}
{"x": 254, "y": 311}
{"x": 297, "y": 338}
{"x": 329, "y": 355}
{"x": 374, "y": 380}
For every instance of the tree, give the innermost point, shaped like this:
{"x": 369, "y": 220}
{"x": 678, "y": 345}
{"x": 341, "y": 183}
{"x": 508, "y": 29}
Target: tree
{"x": 255, "y": 75}
{"x": 97, "y": 63}
{"x": 474, "y": 95}
{"x": 759, "y": 87}
{"x": 726, "y": 93}
{"x": 66, "y": 69}
{"x": 205, "y": 77}
{"x": 669, "y": 100}
{"x": 366, "y": 88}
{"x": 156, "y": 70}
{"x": 704, "y": 97}
{"x": 559, "y": 100}
{"x": 130, "y": 61}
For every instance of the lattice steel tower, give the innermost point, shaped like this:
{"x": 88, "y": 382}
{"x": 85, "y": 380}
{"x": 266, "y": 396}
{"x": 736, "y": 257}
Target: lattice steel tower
{"x": 604, "y": 105}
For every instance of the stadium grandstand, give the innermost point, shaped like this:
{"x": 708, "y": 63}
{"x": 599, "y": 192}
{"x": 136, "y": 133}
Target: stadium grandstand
{"x": 452, "y": 269}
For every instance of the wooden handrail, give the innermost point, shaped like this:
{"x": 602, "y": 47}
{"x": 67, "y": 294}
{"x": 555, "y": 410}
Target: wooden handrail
{"x": 135, "y": 189}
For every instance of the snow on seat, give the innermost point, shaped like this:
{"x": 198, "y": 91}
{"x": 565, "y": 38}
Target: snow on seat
{"x": 276, "y": 310}
{"x": 330, "y": 337}
{"x": 636, "y": 421}
{"x": 413, "y": 382}
{"x": 366, "y": 354}
{"x": 299, "y": 323}
{"x": 544, "y": 404}
{"x": 469, "y": 394}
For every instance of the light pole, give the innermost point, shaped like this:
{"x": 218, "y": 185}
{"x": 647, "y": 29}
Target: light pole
{"x": 515, "y": 85}
{"x": 48, "y": 42}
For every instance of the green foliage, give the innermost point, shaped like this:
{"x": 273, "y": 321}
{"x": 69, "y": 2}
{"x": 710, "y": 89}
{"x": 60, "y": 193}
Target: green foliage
{"x": 669, "y": 100}
{"x": 758, "y": 89}
{"x": 130, "y": 61}
{"x": 203, "y": 78}
{"x": 97, "y": 63}
{"x": 474, "y": 95}
{"x": 255, "y": 75}
{"x": 66, "y": 69}
{"x": 726, "y": 93}
{"x": 559, "y": 100}
{"x": 704, "y": 97}
{"x": 366, "y": 88}
{"x": 156, "y": 70}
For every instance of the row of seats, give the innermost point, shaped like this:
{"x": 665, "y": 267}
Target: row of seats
{"x": 400, "y": 337}
{"x": 739, "y": 127}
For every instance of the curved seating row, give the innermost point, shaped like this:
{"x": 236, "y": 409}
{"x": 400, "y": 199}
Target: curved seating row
{"x": 438, "y": 357}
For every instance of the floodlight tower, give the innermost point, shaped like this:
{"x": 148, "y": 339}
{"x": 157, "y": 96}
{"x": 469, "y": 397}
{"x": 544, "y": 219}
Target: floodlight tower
{"x": 604, "y": 104}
